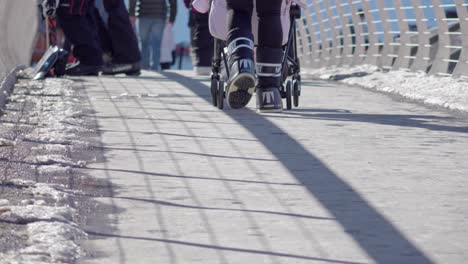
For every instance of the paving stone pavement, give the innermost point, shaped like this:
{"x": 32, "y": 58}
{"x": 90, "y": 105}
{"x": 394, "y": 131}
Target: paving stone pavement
{"x": 351, "y": 176}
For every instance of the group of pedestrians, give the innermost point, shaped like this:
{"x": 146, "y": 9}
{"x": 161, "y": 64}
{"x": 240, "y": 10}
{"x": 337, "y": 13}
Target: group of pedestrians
{"x": 79, "y": 20}
{"x": 102, "y": 33}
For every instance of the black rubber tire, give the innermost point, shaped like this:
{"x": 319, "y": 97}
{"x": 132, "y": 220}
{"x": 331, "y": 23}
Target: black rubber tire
{"x": 214, "y": 92}
{"x": 220, "y": 94}
{"x": 288, "y": 95}
{"x": 296, "y": 92}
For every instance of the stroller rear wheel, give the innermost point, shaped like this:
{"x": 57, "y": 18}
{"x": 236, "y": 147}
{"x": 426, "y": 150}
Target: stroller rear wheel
{"x": 214, "y": 91}
{"x": 288, "y": 95}
{"x": 220, "y": 94}
{"x": 296, "y": 92}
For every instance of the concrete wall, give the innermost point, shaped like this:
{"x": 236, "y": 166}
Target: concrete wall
{"x": 18, "y": 26}
{"x": 418, "y": 35}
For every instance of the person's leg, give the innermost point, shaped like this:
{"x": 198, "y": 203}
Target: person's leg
{"x": 269, "y": 55}
{"x": 80, "y": 29}
{"x": 157, "y": 32}
{"x": 144, "y": 29}
{"x": 241, "y": 83}
{"x": 124, "y": 42}
{"x": 103, "y": 33}
{"x": 202, "y": 44}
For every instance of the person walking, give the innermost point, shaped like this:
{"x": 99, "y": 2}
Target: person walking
{"x": 201, "y": 41}
{"x": 76, "y": 18}
{"x": 152, "y": 18}
{"x": 241, "y": 84}
{"x": 168, "y": 48}
{"x": 121, "y": 40}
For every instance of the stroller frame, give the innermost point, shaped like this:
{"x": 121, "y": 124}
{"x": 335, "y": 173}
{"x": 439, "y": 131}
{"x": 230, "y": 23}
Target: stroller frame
{"x": 290, "y": 88}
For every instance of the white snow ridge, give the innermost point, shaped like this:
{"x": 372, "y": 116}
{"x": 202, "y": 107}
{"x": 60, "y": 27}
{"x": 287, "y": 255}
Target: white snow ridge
{"x": 441, "y": 91}
{"x": 52, "y": 234}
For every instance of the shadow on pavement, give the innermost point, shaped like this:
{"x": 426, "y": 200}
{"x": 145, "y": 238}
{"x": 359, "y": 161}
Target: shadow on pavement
{"x": 221, "y": 248}
{"x": 416, "y": 121}
{"x": 376, "y": 235}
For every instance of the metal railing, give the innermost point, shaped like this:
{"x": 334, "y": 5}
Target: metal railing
{"x": 418, "y": 35}
{"x": 18, "y": 26}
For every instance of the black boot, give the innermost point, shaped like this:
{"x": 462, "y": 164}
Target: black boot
{"x": 241, "y": 84}
{"x": 269, "y": 70}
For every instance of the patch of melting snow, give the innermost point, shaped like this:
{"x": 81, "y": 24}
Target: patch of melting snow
{"x": 52, "y": 234}
{"x": 442, "y": 91}
{"x": 60, "y": 160}
{"x": 53, "y": 169}
{"x": 43, "y": 189}
{"x": 48, "y": 242}
{"x": 32, "y": 213}
{"x": 129, "y": 96}
{"x": 6, "y": 142}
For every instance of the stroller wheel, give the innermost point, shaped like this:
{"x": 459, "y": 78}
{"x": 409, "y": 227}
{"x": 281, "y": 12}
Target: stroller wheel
{"x": 296, "y": 92}
{"x": 220, "y": 94}
{"x": 214, "y": 91}
{"x": 288, "y": 95}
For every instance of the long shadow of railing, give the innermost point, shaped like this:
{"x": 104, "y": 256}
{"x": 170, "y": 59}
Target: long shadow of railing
{"x": 375, "y": 234}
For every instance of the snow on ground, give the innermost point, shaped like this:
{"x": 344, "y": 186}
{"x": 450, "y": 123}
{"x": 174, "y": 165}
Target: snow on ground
{"x": 127, "y": 96}
{"x": 56, "y": 118}
{"x": 52, "y": 234}
{"x": 441, "y": 91}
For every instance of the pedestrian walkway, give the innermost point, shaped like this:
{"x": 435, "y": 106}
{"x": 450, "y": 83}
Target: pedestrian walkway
{"x": 352, "y": 176}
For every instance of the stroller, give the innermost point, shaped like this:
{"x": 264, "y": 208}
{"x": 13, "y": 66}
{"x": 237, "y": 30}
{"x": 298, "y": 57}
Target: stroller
{"x": 291, "y": 87}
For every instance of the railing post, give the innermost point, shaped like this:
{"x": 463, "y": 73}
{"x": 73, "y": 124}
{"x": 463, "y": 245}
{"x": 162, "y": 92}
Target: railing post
{"x": 346, "y": 41}
{"x": 325, "y": 54}
{"x": 312, "y": 43}
{"x": 440, "y": 63}
{"x": 335, "y": 56}
{"x": 422, "y": 57}
{"x": 373, "y": 55}
{"x": 404, "y": 49}
{"x": 461, "y": 70}
{"x": 359, "y": 51}
{"x": 387, "y": 50}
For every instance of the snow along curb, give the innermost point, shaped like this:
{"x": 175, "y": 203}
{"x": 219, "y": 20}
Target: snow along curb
{"x": 441, "y": 91}
{"x": 52, "y": 235}
{"x": 6, "y": 86}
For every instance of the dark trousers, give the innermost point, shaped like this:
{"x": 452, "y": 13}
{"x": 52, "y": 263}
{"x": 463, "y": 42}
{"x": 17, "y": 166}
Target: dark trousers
{"x": 79, "y": 26}
{"x": 270, "y": 35}
{"x": 201, "y": 39}
{"x": 269, "y": 21}
{"x": 123, "y": 39}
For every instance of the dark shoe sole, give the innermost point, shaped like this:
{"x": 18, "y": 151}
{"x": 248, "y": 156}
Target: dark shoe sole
{"x": 271, "y": 110}
{"x": 128, "y": 73}
{"x": 133, "y": 73}
{"x": 83, "y": 74}
{"x": 240, "y": 90}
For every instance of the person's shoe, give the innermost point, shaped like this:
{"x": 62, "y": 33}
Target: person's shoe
{"x": 80, "y": 69}
{"x": 131, "y": 69}
{"x": 269, "y": 100}
{"x": 241, "y": 84}
{"x": 269, "y": 70}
